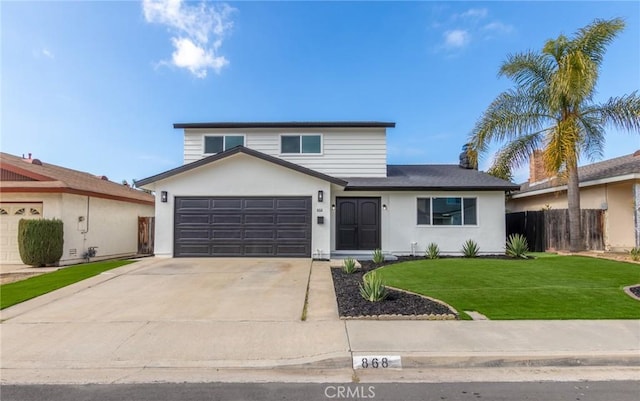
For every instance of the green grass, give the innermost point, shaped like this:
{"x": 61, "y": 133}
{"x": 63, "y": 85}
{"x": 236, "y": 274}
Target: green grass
{"x": 548, "y": 287}
{"x": 20, "y": 291}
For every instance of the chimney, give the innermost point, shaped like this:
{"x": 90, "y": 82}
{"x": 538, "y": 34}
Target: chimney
{"x": 537, "y": 172}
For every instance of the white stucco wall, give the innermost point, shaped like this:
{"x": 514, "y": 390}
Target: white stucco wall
{"x": 241, "y": 175}
{"x": 399, "y": 226}
{"x": 112, "y": 225}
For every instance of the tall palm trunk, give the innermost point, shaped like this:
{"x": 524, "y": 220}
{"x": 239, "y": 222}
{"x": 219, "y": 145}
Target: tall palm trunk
{"x": 573, "y": 197}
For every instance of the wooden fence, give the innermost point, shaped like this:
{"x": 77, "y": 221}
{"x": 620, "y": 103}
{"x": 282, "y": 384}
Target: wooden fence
{"x": 548, "y": 230}
{"x": 146, "y": 227}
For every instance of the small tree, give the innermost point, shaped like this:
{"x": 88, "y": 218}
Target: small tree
{"x": 40, "y": 242}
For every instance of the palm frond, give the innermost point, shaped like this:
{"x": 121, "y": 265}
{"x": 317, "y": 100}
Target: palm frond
{"x": 512, "y": 114}
{"x": 562, "y": 145}
{"x": 515, "y": 154}
{"x": 593, "y": 39}
{"x": 528, "y": 69}
{"x": 621, "y": 112}
{"x": 592, "y": 136}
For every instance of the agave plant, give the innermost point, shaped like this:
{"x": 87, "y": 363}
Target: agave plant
{"x": 517, "y": 246}
{"x": 378, "y": 256}
{"x": 433, "y": 251}
{"x": 349, "y": 265}
{"x": 372, "y": 288}
{"x": 470, "y": 249}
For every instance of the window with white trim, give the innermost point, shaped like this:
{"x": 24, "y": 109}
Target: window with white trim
{"x": 218, "y": 143}
{"x": 447, "y": 211}
{"x": 301, "y": 144}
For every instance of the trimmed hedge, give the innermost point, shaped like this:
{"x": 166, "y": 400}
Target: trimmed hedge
{"x": 40, "y": 242}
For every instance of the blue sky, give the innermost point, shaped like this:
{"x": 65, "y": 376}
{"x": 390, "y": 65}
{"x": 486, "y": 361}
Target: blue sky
{"x": 96, "y": 86}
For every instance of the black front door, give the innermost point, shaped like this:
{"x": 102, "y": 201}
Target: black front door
{"x": 358, "y": 223}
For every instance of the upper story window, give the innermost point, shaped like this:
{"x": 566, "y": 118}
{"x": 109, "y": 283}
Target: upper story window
{"x": 452, "y": 211}
{"x": 301, "y": 144}
{"x": 218, "y": 143}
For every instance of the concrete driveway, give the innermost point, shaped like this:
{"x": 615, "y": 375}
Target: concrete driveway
{"x": 187, "y": 290}
{"x": 172, "y": 313}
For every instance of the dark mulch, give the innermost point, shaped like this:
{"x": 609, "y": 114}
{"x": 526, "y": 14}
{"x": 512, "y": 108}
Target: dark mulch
{"x": 351, "y": 303}
{"x": 635, "y": 290}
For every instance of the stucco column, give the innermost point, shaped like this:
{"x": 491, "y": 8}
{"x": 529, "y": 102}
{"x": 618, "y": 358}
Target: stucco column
{"x": 636, "y": 211}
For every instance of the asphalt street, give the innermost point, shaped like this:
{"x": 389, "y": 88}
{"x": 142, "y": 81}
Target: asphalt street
{"x": 539, "y": 391}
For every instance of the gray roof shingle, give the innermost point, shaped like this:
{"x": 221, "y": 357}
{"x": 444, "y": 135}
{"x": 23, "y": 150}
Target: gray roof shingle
{"x": 616, "y": 167}
{"x": 447, "y": 177}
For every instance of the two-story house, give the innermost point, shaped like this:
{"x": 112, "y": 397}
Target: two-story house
{"x": 313, "y": 189}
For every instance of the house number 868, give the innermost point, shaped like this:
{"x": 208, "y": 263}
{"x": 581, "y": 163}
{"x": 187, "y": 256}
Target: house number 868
{"x": 375, "y": 363}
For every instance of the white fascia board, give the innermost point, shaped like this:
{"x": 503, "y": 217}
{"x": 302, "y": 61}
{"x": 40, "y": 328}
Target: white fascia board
{"x": 609, "y": 180}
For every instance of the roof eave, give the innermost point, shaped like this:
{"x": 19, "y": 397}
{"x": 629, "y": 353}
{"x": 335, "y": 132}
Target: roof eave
{"x": 591, "y": 183}
{"x": 427, "y": 188}
{"x": 289, "y": 124}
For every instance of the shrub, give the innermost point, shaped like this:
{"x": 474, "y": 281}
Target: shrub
{"x": 349, "y": 265}
{"x": 517, "y": 246}
{"x": 433, "y": 252}
{"x": 635, "y": 254}
{"x": 378, "y": 256}
{"x": 40, "y": 242}
{"x": 372, "y": 288}
{"x": 470, "y": 249}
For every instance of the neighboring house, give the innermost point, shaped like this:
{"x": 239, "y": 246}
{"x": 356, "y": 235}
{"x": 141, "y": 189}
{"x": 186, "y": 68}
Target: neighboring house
{"x": 313, "y": 189}
{"x": 612, "y": 186}
{"x": 95, "y": 212}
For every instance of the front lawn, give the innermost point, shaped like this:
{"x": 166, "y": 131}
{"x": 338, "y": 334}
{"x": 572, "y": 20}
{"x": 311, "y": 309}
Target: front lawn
{"x": 550, "y": 287}
{"x": 20, "y": 291}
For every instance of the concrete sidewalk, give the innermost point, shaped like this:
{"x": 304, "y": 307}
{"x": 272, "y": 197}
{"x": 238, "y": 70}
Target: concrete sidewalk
{"x": 85, "y": 347}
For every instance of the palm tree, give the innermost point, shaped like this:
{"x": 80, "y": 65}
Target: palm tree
{"x": 551, "y": 107}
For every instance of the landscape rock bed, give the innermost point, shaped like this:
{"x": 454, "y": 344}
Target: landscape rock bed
{"x": 635, "y": 291}
{"x": 398, "y": 305}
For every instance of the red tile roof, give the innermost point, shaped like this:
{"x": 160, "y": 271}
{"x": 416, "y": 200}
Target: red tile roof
{"x": 51, "y": 178}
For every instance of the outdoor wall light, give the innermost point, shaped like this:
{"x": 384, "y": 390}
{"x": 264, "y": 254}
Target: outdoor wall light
{"x": 320, "y": 196}
{"x": 163, "y": 196}
{"x": 384, "y": 207}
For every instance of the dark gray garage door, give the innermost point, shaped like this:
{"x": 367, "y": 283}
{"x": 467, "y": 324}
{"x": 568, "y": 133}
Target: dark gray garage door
{"x": 223, "y": 226}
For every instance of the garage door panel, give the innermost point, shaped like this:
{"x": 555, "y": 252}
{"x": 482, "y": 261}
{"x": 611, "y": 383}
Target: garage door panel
{"x": 192, "y": 234}
{"x": 259, "y": 250}
{"x": 193, "y": 219}
{"x": 292, "y": 204}
{"x": 193, "y": 250}
{"x": 252, "y": 226}
{"x": 259, "y": 204}
{"x": 259, "y": 234}
{"x": 194, "y": 204}
{"x": 293, "y": 219}
{"x": 225, "y": 250}
{"x": 226, "y": 219}
{"x": 259, "y": 219}
{"x": 226, "y": 234}
{"x": 229, "y": 204}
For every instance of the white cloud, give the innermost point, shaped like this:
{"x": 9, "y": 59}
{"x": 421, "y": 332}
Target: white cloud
{"x": 456, "y": 39}
{"x": 198, "y": 32}
{"x": 47, "y": 53}
{"x": 195, "y": 58}
{"x": 473, "y": 13}
{"x": 498, "y": 27}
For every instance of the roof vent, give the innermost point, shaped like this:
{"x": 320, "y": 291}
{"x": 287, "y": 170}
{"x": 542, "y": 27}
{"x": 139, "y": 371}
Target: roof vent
{"x": 636, "y": 153}
{"x": 103, "y": 177}
{"x": 37, "y": 162}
